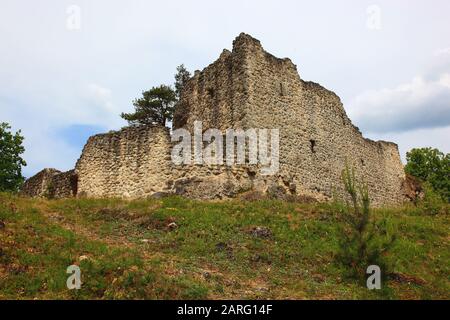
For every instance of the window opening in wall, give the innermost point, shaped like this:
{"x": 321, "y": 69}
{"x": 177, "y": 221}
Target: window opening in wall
{"x": 313, "y": 145}
{"x": 74, "y": 185}
{"x": 210, "y": 92}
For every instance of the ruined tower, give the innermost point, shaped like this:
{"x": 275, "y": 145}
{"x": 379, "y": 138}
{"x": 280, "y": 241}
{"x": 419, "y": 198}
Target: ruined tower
{"x": 250, "y": 88}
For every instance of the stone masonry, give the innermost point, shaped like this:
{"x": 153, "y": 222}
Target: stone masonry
{"x": 245, "y": 88}
{"x": 250, "y": 88}
{"x": 51, "y": 183}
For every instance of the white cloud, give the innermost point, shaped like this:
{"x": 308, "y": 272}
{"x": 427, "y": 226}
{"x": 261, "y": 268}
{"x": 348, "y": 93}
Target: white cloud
{"x": 422, "y": 138}
{"x": 413, "y": 114}
{"x": 41, "y": 121}
{"x": 443, "y": 51}
{"x": 103, "y": 94}
{"x": 418, "y": 104}
{"x": 105, "y": 111}
{"x": 45, "y": 149}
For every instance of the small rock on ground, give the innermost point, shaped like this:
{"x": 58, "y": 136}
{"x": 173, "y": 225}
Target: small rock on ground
{"x": 172, "y": 226}
{"x": 261, "y": 232}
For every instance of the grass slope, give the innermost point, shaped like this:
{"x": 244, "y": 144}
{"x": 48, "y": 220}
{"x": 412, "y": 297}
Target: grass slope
{"x": 175, "y": 248}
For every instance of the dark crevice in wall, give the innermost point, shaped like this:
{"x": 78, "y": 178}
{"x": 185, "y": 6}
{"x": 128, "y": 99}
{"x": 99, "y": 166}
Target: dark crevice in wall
{"x": 74, "y": 184}
{"x": 312, "y": 145}
{"x": 281, "y": 89}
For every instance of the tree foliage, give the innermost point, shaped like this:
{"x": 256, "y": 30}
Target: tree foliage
{"x": 156, "y": 107}
{"x": 11, "y": 161}
{"x": 181, "y": 77}
{"x": 432, "y": 166}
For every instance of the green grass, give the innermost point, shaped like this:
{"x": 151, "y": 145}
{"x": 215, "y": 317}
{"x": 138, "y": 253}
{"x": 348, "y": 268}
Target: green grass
{"x": 133, "y": 254}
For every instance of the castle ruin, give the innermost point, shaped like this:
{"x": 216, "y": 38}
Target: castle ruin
{"x": 245, "y": 88}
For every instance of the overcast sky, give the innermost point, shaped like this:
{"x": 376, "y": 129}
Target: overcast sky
{"x": 69, "y": 68}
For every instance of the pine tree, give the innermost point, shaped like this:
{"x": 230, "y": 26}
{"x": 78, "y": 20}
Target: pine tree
{"x": 156, "y": 107}
{"x": 181, "y": 77}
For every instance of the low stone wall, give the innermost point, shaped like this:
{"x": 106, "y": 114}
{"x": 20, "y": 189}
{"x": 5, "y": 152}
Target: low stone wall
{"x": 39, "y": 184}
{"x": 64, "y": 185}
{"x": 130, "y": 163}
{"x": 136, "y": 163}
{"x": 51, "y": 183}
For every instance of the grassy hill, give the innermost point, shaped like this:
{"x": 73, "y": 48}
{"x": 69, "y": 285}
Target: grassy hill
{"x": 175, "y": 248}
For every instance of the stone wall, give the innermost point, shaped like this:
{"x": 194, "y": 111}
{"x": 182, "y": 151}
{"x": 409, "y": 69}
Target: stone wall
{"x": 136, "y": 162}
{"x": 38, "y": 185}
{"x": 133, "y": 162}
{"x": 64, "y": 185}
{"x": 316, "y": 136}
{"x": 217, "y": 95}
{"x": 51, "y": 183}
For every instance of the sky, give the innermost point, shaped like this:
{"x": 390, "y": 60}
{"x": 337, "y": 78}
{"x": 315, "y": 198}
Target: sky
{"x": 69, "y": 68}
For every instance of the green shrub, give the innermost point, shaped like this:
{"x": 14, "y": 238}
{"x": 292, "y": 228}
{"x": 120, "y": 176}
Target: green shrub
{"x": 432, "y": 166}
{"x": 432, "y": 203}
{"x": 362, "y": 241}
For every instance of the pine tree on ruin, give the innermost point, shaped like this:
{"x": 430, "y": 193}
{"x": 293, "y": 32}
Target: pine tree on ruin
{"x": 181, "y": 77}
{"x": 155, "y": 107}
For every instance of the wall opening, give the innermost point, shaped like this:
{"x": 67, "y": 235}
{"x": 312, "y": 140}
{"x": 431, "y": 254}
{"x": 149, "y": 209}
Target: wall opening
{"x": 313, "y": 145}
{"x": 211, "y": 92}
{"x": 74, "y": 184}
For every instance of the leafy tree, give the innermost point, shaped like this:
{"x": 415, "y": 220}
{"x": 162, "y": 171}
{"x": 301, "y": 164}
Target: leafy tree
{"x": 10, "y": 160}
{"x": 156, "y": 107}
{"x": 432, "y": 166}
{"x": 181, "y": 77}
